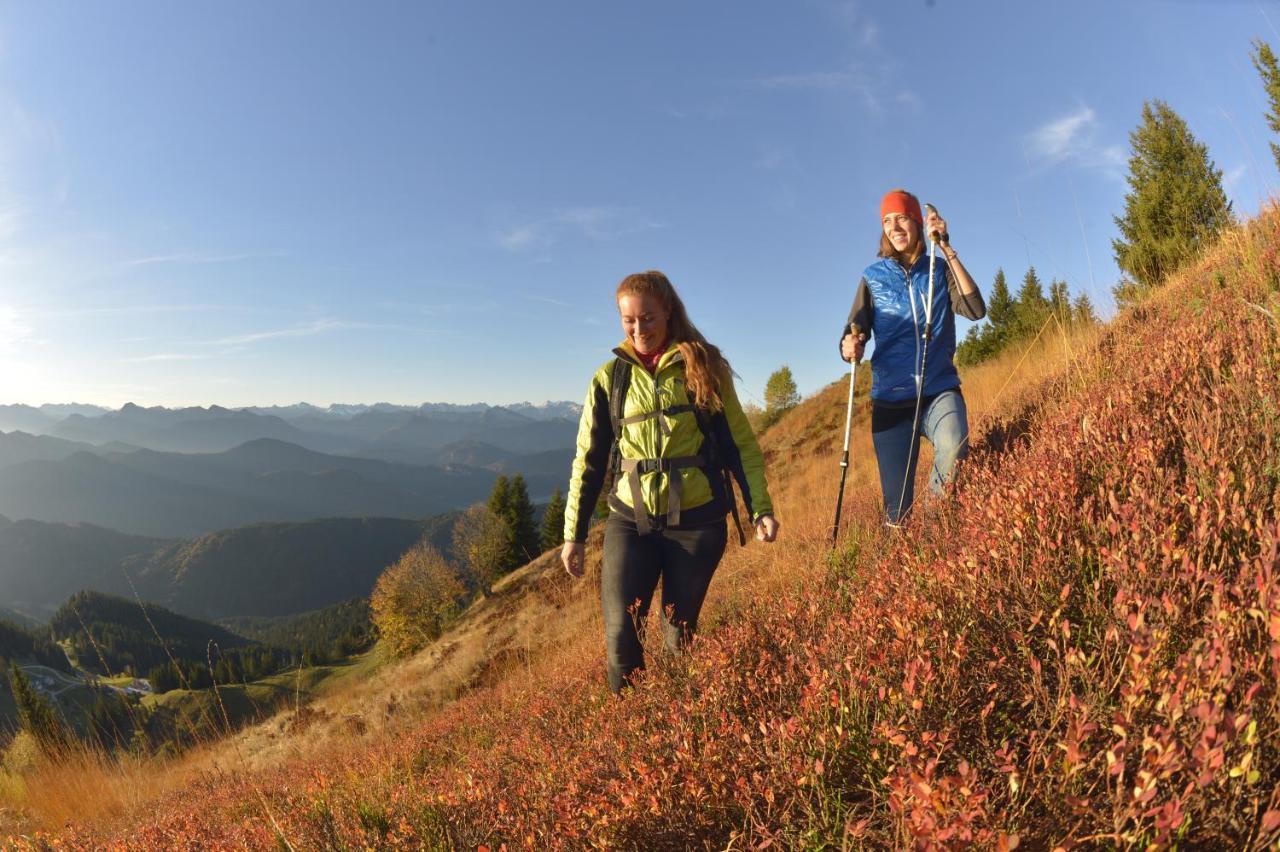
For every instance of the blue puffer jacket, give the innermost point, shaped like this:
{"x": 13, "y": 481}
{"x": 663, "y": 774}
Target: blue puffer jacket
{"x": 899, "y": 337}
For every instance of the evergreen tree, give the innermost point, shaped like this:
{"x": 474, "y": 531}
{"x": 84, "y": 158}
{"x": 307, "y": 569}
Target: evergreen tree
{"x": 553, "y": 522}
{"x": 500, "y": 506}
{"x": 111, "y": 719}
{"x": 500, "y": 496}
{"x": 1060, "y": 301}
{"x": 1031, "y": 309}
{"x": 35, "y": 714}
{"x": 1000, "y": 307}
{"x": 780, "y": 395}
{"x": 1031, "y": 294}
{"x": 985, "y": 340}
{"x": 1264, "y": 59}
{"x": 525, "y": 540}
{"x": 1175, "y": 204}
{"x": 1082, "y": 312}
{"x": 976, "y": 346}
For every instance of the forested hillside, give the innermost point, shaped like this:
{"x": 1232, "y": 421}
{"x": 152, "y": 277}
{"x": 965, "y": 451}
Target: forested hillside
{"x": 264, "y": 569}
{"x": 111, "y": 635}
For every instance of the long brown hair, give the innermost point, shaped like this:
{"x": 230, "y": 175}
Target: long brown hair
{"x": 913, "y": 252}
{"x": 704, "y": 366}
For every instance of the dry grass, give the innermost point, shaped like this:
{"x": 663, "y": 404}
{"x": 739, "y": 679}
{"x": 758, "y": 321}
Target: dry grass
{"x": 539, "y": 624}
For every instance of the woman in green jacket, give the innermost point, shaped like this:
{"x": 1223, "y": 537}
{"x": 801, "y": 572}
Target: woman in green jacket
{"x": 663, "y": 418}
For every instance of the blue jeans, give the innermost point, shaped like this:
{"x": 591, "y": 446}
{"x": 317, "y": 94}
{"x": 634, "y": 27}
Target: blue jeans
{"x": 944, "y": 421}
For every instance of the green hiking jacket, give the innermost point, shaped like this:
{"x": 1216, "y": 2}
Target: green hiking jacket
{"x": 672, "y": 435}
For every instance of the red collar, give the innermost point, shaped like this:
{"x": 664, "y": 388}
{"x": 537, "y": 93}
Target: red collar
{"x": 651, "y": 360}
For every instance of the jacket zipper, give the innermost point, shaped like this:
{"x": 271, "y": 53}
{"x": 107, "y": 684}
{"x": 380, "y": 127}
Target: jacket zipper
{"x": 657, "y": 424}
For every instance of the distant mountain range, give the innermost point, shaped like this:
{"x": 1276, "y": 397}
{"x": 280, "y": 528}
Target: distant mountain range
{"x": 263, "y": 570}
{"x": 402, "y": 433}
{"x": 218, "y": 512}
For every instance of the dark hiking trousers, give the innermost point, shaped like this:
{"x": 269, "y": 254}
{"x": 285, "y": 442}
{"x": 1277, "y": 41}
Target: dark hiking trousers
{"x": 682, "y": 558}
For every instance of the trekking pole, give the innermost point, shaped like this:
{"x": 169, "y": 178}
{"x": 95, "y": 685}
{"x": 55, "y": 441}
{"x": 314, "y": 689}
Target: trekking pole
{"x": 924, "y": 359}
{"x": 844, "y": 458}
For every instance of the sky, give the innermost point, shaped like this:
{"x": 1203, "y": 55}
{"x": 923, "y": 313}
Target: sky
{"x": 248, "y": 203}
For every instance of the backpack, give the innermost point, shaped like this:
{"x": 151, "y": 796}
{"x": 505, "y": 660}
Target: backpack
{"x": 710, "y": 459}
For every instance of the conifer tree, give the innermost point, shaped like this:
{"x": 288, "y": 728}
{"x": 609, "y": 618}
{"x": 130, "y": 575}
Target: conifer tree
{"x": 1082, "y": 312}
{"x": 1264, "y": 59}
{"x": 553, "y": 521}
{"x": 1031, "y": 293}
{"x": 500, "y": 496}
{"x": 985, "y": 340}
{"x": 1031, "y": 309}
{"x": 35, "y": 714}
{"x": 1000, "y": 307}
{"x": 524, "y": 532}
{"x": 1060, "y": 301}
{"x": 500, "y": 506}
{"x": 1175, "y": 204}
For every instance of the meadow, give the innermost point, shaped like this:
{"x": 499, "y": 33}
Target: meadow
{"x": 1077, "y": 648}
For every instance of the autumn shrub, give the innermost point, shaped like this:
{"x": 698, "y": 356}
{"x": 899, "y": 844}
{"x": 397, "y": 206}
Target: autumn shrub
{"x": 1078, "y": 648}
{"x": 414, "y": 599}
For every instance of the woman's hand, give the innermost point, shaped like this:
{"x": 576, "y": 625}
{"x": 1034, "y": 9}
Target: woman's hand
{"x": 852, "y": 347}
{"x": 573, "y": 555}
{"x": 767, "y": 528}
{"x": 936, "y": 227}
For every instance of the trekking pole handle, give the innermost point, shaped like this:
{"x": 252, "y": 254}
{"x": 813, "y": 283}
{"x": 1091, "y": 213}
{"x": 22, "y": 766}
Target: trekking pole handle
{"x": 934, "y": 236}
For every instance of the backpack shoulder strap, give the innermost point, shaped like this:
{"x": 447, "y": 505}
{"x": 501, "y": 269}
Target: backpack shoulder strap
{"x": 716, "y": 465}
{"x": 619, "y": 384}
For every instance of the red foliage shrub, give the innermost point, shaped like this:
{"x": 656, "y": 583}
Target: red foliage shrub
{"x": 1079, "y": 647}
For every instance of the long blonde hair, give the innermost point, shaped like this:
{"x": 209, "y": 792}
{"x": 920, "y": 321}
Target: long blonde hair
{"x": 704, "y": 366}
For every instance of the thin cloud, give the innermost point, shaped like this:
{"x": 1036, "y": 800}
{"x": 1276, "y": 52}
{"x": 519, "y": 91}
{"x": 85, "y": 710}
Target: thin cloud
{"x": 521, "y": 237}
{"x": 164, "y": 356}
{"x": 1073, "y": 138}
{"x": 196, "y": 258}
{"x": 598, "y": 224}
{"x": 130, "y": 310}
{"x": 548, "y": 301}
{"x": 1231, "y": 178}
{"x": 871, "y": 84}
{"x": 309, "y": 330}
{"x": 849, "y": 14}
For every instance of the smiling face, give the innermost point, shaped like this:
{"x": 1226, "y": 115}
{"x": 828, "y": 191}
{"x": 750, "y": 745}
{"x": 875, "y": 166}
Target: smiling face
{"x": 644, "y": 322}
{"x": 902, "y": 232}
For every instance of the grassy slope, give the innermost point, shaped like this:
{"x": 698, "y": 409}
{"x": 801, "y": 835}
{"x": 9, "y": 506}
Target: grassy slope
{"x": 1071, "y": 611}
{"x": 205, "y": 713}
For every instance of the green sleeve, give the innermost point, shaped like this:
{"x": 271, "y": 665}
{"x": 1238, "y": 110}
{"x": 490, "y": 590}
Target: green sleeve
{"x": 748, "y": 466}
{"x": 595, "y": 439}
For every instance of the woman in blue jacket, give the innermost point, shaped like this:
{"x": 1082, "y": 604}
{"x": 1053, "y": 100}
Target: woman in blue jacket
{"x": 910, "y": 398}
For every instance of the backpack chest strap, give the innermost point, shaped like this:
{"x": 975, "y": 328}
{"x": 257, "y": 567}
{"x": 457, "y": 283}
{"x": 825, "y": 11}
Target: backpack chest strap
{"x": 662, "y": 414}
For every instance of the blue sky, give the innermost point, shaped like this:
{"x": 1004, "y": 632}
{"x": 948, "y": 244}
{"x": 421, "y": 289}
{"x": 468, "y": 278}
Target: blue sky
{"x": 256, "y": 203}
